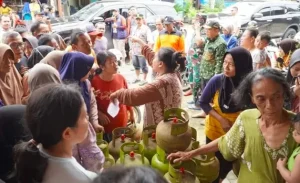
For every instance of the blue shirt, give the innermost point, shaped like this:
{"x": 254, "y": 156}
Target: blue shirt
{"x": 231, "y": 41}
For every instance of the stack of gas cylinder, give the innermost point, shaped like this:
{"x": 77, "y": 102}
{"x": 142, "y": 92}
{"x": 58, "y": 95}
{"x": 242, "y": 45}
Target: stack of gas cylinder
{"x": 171, "y": 135}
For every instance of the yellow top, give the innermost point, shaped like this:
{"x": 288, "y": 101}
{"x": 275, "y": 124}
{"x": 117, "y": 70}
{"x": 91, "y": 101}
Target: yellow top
{"x": 175, "y": 40}
{"x": 34, "y": 8}
{"x": 5, "y": 11}
{"x": 213, "y": 128}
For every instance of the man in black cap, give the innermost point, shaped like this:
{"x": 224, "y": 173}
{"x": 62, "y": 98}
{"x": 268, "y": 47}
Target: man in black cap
{"x": 170, "y": 37}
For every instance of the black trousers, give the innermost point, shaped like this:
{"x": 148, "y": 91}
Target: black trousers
{"x": 225, "y": 166}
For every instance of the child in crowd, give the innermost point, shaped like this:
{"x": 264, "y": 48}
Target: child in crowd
{"x": 260, "y": 55}
{"x": 290, "y": 173}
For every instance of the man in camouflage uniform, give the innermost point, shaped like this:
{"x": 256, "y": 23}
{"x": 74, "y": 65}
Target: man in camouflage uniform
{"x": 212, "y": 59}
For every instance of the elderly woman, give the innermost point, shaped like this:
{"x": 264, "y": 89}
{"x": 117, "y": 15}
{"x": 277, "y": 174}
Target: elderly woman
{"x": 228, "y": 37}
{"x": 11, "y": 89}
{"x": 260, "y": 136}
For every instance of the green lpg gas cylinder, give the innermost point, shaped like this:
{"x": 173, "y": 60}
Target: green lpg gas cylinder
{"x": 149, "y": 141}
{"x": 129, "y": 157}
{"x": 208, "y": 166}
{"x": 194, "y": 139}
{"x": 159, "y": 161}
{"x": 119, "y": 137}
{"x": 103, "y": 145}
{"x": 173, "y": 133}
{"x": 182, "y": 172}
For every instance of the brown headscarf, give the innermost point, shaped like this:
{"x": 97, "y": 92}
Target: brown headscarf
{"x": 54, "y": 59}
{"x": 11, "y": 89}
{"x": 42, "y": 74}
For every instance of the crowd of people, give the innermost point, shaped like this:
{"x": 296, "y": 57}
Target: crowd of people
{"x": 54, "y": 96}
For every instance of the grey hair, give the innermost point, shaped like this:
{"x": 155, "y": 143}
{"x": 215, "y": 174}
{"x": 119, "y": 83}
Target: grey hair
{"x": 9, "y": 34}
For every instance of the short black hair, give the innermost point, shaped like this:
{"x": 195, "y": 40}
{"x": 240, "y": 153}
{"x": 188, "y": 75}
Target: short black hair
{"x": 253, "y": 32}
{"x": 35, "y": 26}
{"x": 265, "y": 36}
{"x": 235, "y": 8}
{"x": 45, "y": 39}
{"x": 75, "y": 35}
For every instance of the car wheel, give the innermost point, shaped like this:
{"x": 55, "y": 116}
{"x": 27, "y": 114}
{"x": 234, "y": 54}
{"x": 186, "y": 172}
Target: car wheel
{"x": 290, "y": 33}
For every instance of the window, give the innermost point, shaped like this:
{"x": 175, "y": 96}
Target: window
{"x": 265, "y": 11}
{"x": 277, "y": 10}
{"x": 163, "y": 10}
{"x": 145, "y": 12}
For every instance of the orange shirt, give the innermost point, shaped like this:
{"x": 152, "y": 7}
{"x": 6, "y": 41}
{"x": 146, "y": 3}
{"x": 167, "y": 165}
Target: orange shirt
{"x": 106, "y": 88}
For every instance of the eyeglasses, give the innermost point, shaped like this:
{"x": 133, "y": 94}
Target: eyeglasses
{"x": 15, "y": 45}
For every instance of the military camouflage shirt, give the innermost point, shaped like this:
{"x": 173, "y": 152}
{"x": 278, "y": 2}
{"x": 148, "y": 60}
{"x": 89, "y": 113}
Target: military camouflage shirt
{"x": 212, "y": 59}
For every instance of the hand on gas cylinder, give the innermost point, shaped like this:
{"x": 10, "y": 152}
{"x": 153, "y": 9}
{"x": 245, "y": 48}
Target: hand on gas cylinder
{"x": 98, "y": 128}
{"x": 180, "y": 156}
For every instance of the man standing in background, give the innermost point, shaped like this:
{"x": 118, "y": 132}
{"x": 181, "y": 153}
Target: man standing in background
{"x": 34, "y": 8}
{"x": 236, "y": 21}
{"x": 170, "y": 37}
{"x": 5, "y": 22}
{"x": 139, "y": 61}
{"x": 159, "y": 27}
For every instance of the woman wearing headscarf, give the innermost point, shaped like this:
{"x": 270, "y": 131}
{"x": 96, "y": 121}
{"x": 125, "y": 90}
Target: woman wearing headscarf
{"x": 75, "y": 67}
{"x": 42, "y": 74}
{"x": 223, "y": 113}
{"x": 286, "y": 49}
{"x": 38, "y": 54}
{"x": 54, "y": 58}
{"x": 30, "y": 43}
{"x": 11, "y": 89}
{"x": 293, "y": 78}
{"x": 12, "y": 131}
{"x": 61, "y": 43}
{"x": 228, "y": 37}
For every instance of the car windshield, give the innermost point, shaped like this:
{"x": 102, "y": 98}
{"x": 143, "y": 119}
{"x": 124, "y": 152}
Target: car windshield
{"x": 244, "y": 8}
{"x": 87, "y": 11}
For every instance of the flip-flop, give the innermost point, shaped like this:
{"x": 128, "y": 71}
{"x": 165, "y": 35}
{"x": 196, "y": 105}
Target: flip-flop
{"x": 200, "y": 115}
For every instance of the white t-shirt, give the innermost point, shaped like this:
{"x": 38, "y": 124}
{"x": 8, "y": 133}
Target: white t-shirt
{"x": 258, "y": 57}
{"x": 66, "y": 170}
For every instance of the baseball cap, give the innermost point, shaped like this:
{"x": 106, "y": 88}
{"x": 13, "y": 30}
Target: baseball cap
{"x": 139, "y": 16}
{"x": 91, "y": 30}
{"x": 212, "y": 24}
{"x": 168, "y": 20}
